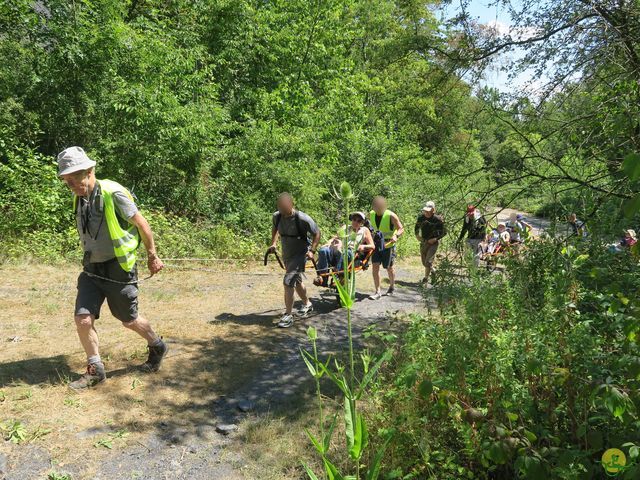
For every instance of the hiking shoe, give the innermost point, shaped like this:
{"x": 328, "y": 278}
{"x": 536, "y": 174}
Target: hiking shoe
{"x": 375, "y": 296}
{"x": 318, "y": 282}
{"x": 94, "y": 375}
{"x": 156, "y": 355}
{"x": 391, "y": 291}
{"x": 305, "y": 310}
{"x": 286, "y": 321}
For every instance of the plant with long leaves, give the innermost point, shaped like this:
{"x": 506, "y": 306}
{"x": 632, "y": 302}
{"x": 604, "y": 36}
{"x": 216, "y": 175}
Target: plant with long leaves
{"x": 352, "y": 388}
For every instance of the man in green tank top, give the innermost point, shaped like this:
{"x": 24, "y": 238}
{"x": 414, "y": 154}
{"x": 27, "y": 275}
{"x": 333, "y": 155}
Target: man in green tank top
{"x": 388, "y": 224}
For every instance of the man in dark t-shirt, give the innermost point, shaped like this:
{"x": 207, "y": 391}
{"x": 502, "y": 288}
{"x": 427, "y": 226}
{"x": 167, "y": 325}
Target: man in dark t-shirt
{"x": 300, "y": 237}
{"x": 429, "y": 229}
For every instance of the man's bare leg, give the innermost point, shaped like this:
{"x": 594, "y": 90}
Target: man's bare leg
{"x": 376, "y": 276}
{"x": 143, "y": 328}
{"x": 288, "y": 299}
{"x": 301, "y": 290}
{"x": 87, "y": 334}
{"x": 391, "y": 271}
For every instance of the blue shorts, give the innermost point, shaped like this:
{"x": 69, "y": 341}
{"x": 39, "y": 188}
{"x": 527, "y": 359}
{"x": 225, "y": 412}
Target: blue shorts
{"x": 386, "y": 257}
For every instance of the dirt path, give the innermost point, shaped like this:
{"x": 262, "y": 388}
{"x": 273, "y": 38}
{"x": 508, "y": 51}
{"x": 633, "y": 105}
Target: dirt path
{"x": 224, "y": 354}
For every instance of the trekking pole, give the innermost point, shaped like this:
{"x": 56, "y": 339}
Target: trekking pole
{"x": 270, "y": 252}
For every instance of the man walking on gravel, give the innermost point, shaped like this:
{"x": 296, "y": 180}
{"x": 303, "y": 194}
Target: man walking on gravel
{"x": 300, "y": 237}
{"x": 474, "y": 227}
{"x": 429, "y": 231}
{"x": 388, "y": 224}
{"x": 110, "y": 228}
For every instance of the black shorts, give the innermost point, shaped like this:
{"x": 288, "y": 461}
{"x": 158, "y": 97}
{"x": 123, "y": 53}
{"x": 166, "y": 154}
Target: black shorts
{"x": 92, "y": 292}
{"x": 294, "y": 267}
{"x": 386, "y": 257}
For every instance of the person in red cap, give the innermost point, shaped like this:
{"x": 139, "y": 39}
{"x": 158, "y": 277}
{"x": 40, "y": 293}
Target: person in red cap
{"x": 474, "y": 227}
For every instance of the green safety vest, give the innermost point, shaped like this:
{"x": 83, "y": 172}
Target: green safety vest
{"x": 125, "y": 242}
{"x": 386, "y": 226}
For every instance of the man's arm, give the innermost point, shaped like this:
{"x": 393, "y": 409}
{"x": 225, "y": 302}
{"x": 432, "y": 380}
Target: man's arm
{"x": 141, "y": 223}
{"x": 274, "y": 240}
{"x": 397, "y": 224}
{"x": 416, "y": 229}
{"x": 315, "y": 242}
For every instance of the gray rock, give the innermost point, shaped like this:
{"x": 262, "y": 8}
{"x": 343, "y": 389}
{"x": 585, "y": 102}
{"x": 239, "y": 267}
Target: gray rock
{"x": 3, "y": 465}
{"x": 226, "y": 428}
{"x": 245, "y": 406}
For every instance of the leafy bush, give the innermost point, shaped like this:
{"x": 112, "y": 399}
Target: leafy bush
{"x": 530, "y": 375}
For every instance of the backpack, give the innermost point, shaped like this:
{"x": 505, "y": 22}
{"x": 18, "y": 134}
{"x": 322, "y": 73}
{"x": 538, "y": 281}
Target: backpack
{"x": 301, "y": 234}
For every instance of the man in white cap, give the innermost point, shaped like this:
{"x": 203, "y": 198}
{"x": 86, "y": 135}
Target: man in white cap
{"x": 110, "y": 228}
{"x": 429, "y": 230}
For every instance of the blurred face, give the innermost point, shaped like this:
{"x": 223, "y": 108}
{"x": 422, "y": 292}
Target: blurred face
{"x": 572, "y": 218}
{"x": 627, "y": 235}
{"x": 501, "y": 228}
{"x": 81, "y": 183}
{"x": 356, "y": 223}
{"x": 379, "y": 205}
{"x": 285, "y": 205}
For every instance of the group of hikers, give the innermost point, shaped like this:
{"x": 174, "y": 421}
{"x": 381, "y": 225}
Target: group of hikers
{"x": 111, "y": 228}
{"x": 371, "y": 237}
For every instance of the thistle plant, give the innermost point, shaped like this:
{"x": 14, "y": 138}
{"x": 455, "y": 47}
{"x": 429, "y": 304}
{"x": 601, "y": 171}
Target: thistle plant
{"x": 352, "y": 388}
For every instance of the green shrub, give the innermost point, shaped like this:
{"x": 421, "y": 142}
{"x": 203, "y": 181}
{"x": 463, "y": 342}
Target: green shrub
{"x": 530, "y": 375}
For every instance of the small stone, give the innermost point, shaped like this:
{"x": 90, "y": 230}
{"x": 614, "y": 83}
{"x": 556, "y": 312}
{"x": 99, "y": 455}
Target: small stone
{"x": 245, "y": 406}
{"x": 226, "y": 428}
{"x": 3, "y": 465}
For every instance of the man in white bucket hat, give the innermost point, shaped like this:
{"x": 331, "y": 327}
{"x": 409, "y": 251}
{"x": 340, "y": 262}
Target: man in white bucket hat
{"x": 110, "y": 228}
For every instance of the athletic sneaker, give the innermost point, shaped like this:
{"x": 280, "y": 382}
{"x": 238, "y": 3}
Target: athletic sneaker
{"x": 94, "y": 375}
{"x": 391, "y": 291}
{"x": 375, "y": 296}
{"x": 286, "y": 321}
{"x": 156, "y": 355}
{"x": 305, "y": 310}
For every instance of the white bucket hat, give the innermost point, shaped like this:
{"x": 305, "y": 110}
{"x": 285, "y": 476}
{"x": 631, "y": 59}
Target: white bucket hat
{"x": 429, "y": 207}
{"x": 73, "y": 159}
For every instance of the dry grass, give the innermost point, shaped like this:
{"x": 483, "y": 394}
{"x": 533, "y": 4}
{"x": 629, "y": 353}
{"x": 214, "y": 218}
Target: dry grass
{"x": 216, "y": 341}
{"x": 211, "y": 354}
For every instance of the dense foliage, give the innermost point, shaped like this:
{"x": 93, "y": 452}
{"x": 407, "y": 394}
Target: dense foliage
{"x": 528, "y": 375}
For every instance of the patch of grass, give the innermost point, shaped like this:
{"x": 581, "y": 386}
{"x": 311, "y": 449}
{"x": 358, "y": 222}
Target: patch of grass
{"x": 107, "y": 442}
{"x": 25, "y": 394}
{"x": 274, "y": 448}
{"x": 33, "y": 329}
{"x": 53, "y": 475}
{"x": 14, "y": 432}
{"x": 72, "y": 402}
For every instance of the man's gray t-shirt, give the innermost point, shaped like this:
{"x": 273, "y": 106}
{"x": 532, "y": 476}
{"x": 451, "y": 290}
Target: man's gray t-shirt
{"x": 95, "y": 238}
{"x": 295, "y": 243}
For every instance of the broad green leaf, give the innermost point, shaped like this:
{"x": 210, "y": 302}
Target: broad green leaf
{"x": 345, "y": 297}
{"x": 349, "y": 424}
{"x": 631, "y": 206}
{"x": 311, "y": 368}
{"x": 631, "y": 166}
